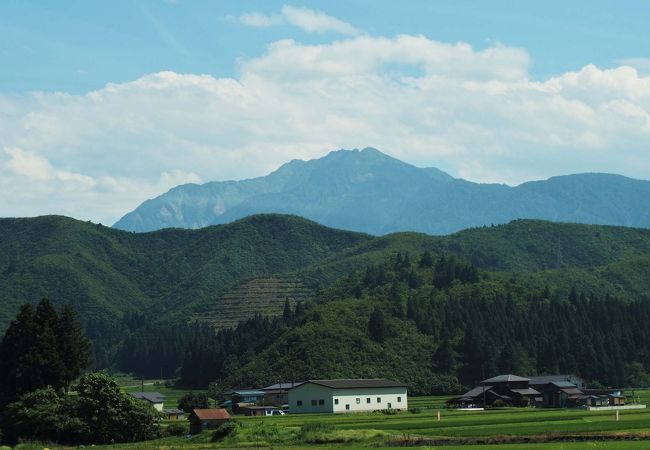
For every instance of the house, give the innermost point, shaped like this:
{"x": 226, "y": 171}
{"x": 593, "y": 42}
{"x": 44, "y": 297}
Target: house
{"x": 513, "y": 386}
{"x": 592, "y": 400}
{"x": 155, "y": 399}
{"x": 278, "y": 394}
{"x": 478, "y": 397}
{"x": 245, "y": 397}
{"x": 509, "y": 390}
{"x": 539, "y": 381}
{"x": 174, "y": 414}
{"x": 207, "y": 419}
{"x": 560, "y": 394}
{"x": 347, "y": 395}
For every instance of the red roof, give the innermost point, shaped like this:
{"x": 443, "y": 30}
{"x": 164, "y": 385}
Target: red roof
{"x": 212, "y": 414}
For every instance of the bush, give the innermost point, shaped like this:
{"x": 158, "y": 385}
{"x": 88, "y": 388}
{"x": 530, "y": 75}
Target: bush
{"x": 224, "y": 430}
{"x": 389, "y": 412}
{"x": 315, "y": 432}
{"x": 498, "y": 403}
{"x": 415, "y": 410}
{"x": 176, "y": 429}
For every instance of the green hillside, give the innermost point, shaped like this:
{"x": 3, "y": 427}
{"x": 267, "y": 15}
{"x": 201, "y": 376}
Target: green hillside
{"x": 137, "y": 293}
{"x": 105, "y": 273}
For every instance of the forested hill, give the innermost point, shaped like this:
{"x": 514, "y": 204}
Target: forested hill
{"x": 123, "y": 284}
{"x": 371, "y": 192}
{"x": 105, "y": 273}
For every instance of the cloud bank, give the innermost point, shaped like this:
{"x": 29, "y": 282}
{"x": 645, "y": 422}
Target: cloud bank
{"x": 473, "y": 112}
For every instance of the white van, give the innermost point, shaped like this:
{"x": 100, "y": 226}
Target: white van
{"x": 274, "y": 412}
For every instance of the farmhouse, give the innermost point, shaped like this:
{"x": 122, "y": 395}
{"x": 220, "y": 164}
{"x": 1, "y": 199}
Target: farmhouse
{"x": 206, "y": 419}
{"x": 245, "y": 397}
{"x": 507, "y": 390}
{"x": 278, "y": 394}
{"x": 156, "y": 399}
{"x": 348, "y": 395}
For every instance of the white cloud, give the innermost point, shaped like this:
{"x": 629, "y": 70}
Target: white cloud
{"x": 640, "y": 64}
{"x": 474, "y": 112}
{"x": 304, "y": 18}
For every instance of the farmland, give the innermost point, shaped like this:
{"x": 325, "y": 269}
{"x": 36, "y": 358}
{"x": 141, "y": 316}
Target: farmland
{"x": 378, "y": 429}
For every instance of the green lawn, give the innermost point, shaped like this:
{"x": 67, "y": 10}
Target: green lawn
{"x": 172, "y": 394}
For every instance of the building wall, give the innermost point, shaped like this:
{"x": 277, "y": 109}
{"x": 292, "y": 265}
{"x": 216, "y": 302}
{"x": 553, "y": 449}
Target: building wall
{"x": 316, "y": 398}
{"x": 308, "y": 393}
{"x": 158, "y": 406}
{"x": 369, "y": 399}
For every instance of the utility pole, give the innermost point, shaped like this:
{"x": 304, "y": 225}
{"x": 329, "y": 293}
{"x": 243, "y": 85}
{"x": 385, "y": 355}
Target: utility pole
{"x": 483, "y": 384}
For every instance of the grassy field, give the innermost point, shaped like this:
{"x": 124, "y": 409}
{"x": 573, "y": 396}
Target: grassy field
{"x": 376, "y": 429}
{"x": 172, "y": 394}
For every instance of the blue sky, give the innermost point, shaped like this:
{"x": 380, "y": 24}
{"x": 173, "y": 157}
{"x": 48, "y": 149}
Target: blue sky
{"x": 106, "y": 104}
{"x": 77, "y": 46}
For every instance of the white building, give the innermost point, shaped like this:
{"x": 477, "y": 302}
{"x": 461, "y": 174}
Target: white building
{"x": 155, "y": 399}
{"x": 342, "y": 396}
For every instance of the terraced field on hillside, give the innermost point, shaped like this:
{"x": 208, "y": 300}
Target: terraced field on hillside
{"x": 265, "y": 296}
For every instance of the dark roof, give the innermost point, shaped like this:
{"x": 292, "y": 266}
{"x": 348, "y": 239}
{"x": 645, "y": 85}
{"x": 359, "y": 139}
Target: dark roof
{"x": 529, "y": 391}
{"x": 563, "y": 384}
{"x": 572, "y": 391}
{"x": 173, "y": 411}
{"x": 211, "y": 414}
{"x": 545, "y": 379}
{"x": 504, "y": 379}
{"x": 153, "y": 397}
{"x": 496, "y": 394}
{"x": 477, "y": 391}
{"x": 357, "y": 383}
{"x": 282, "y": 386}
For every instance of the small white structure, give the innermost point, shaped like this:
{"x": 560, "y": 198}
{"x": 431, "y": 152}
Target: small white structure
{"x": 344, "y": 396}
{"x": 156, "y": 399}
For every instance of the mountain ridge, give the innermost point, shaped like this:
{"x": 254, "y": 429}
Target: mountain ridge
{"x": 369, "y": 191}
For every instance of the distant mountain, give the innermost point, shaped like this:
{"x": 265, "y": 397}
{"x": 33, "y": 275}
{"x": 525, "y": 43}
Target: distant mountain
{"x": 372, "y": 192}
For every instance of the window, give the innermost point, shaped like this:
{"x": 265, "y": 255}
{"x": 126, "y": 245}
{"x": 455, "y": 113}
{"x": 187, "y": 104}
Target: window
{"x": 336, "y": 401}
{"x": 299, "y": 403}
{"x": 358, "y": 401}
{"x": 321, "y": 402}
{"x": 313, "y": 403}
{"x": 347, "y": 407}
{"x": 378, "y": 399}
{"x": 368, "y": 400}
{"x": 399, "y": 399}
{"x": 390, "y": 405}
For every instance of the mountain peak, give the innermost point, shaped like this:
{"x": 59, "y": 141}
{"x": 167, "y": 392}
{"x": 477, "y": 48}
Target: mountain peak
{"x": 369, "y": 191}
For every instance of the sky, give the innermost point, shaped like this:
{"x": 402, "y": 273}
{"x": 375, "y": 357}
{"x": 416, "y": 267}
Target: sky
{"x": 106, "y": 104}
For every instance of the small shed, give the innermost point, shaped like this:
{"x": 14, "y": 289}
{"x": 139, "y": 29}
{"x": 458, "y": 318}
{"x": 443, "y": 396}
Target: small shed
{"x": 174, "y": 414}
{"x": 207, "y": 419}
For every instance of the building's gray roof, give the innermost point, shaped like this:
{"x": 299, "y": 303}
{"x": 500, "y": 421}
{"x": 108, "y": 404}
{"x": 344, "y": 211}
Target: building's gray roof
{"x": 357, "y": 383}
{"x": 504, "y": 379}
{"x": 250, "y": 392}
{"x": 563, "y": 384}
{"x": 282, "y": 386}
{"x": 173, "y": 411}
{"x": 545, "y": 379}
{"x": 477, "y": 391}
{"x": 529, "y": 391}
{"x": 153, "y": 397}
{"x": 572, "y": 391}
